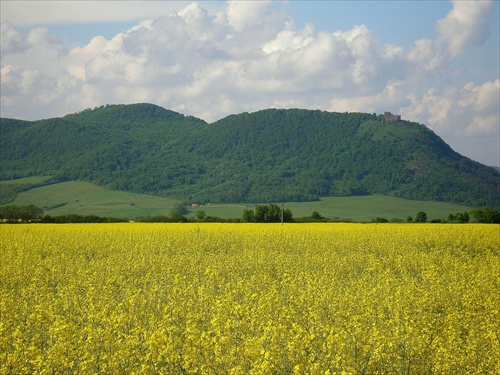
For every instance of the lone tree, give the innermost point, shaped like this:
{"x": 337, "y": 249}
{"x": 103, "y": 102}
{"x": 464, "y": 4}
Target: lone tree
{"x": 179, "y": 208}
{"x": 316, "y": 216}
{"x": 178, "y": 212}
{"x": 201, "y": 215}
{"x": 421, "y": 217}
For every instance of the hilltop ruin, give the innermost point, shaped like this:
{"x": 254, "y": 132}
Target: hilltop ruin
{"x": 389, "y": 117}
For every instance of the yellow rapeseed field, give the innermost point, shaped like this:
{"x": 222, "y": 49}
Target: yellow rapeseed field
{"x": 250, "y": 299}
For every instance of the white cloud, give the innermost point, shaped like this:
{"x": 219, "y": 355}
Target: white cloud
{"x": 248, "y": 56}
{"x": 242, "y": 14}
{"x": 392, "y": 96}
{"x": 453, "y": 109}
{"x": 481, "y": 125}
{"x": 465, "y": 26}
{"x": 13, "y": 41}
{"x": 290, "y": 40}
{"x": 86, "y": 58}
{"x": 468, "y": 118}
{"x": 426, "y": 55}
{"x": 483, "y": 98}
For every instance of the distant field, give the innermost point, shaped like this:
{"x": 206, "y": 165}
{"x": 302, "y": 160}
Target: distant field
{"x": 86, "y": 198}
{"x": 368, "y": 207}
{"x": 363, "y": 208}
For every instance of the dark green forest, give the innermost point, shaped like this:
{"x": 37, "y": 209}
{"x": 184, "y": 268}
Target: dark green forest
{"x": 271, "y": 155}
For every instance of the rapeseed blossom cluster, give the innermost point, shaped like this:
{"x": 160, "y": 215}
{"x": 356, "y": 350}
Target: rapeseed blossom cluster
{"x": 249, "y": 299}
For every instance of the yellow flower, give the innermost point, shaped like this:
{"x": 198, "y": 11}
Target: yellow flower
{"x": 239, "y": 299}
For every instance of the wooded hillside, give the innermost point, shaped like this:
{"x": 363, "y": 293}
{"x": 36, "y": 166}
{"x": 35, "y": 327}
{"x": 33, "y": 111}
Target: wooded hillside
{"x": 267, "y": 156}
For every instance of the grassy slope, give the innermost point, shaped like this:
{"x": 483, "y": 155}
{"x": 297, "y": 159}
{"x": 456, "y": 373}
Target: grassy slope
{"x": 86, "y": 198}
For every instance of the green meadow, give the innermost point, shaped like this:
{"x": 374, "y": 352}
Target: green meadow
{"x": 84, "y": 198}
{"x": 363, "y": 208}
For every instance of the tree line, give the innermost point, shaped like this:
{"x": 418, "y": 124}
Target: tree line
{"x": 271, "y": 213}
{"x": 23, "y": 214}
{"x": 34, "y": 214}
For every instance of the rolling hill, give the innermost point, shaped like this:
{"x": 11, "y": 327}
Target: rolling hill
{"x": 265, "y": 156}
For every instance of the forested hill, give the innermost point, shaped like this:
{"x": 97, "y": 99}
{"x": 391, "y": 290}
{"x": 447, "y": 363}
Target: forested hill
{"x": 270, "y": 155}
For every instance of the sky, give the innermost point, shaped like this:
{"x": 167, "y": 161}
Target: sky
{"x": 432, "y": 62}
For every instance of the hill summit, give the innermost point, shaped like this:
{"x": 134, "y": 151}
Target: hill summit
{"x": 271, "y": 155}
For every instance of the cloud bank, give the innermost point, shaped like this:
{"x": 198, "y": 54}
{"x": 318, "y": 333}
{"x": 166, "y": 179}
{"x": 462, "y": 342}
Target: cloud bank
{"x": 249, "y": 56}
